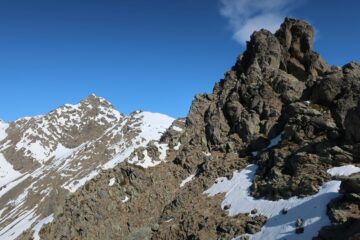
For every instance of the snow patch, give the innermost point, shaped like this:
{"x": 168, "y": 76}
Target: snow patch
{"x": 177, "y": 147}
{"x": 34, "y": 149}
{"x": 76, "y": 184}
{"x": 120, "y": 157}
{"x": 147, "y": 161}
{"x": 7, "y": 172}
{"x": 207, "y": 154}
{"x": 186, "y": 180}
{"x": 42, "y": 153}
{"x": 3, "y": 127}
{"x": 163, "y": 148}
{"x": 153, "y": 125}
{"x": 39, "y": 225}
{"x": 15, "y": 228}
{"x": 62, "y": 152}
{"x": 125, "y": 199}
{"x": 20, "y": 199}
{"x": 278, "y": 226}
{"x": 343, "y": 170}
{"x": 273, "y": 142}
{"x": 254, "y": 154}
{"x": 149, "y": 120}
{"x": 112, "y": 182}
{"x": 178, "y": 129}
{"x": 13, "y": 184}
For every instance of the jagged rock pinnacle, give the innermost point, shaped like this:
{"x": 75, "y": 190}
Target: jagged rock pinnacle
{"x": 296, "y": 36}
{"x": 289, "y": 49}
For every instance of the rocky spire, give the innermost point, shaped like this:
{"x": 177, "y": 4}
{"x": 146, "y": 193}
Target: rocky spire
{"x": 296, "y": 36}
{"x": 289, "y": 49}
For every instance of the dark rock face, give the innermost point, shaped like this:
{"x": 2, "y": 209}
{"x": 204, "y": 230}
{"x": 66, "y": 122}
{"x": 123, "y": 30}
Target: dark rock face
{"x": 339, "y": 90}
{"x": 278, "y": 88}
{"x": 351, "y": 184}
{"x": 352, "y": 120}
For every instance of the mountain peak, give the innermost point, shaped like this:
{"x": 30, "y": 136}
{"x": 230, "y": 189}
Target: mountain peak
{"x": 296, "y": 34}
{"x": 96, "y": 101}
{"x": 289, "y": 50}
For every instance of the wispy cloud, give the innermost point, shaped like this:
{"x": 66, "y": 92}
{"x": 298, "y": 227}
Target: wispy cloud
{"x": 246, "y": 16}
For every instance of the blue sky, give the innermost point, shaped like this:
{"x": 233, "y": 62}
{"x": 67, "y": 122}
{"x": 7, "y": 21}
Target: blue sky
{"x": 139, "y": 54}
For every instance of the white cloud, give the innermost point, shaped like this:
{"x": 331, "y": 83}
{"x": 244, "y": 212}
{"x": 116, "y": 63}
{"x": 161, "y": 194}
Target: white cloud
{"x": 246, "y": 16}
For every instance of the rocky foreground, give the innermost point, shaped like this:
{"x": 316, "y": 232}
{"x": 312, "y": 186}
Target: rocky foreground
{"x": 281, "y": 124}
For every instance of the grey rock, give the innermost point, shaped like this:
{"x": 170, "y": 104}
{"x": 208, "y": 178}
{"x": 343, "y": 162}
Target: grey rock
{"x": 252, "y": 229}
{"x": 155, "y": 227}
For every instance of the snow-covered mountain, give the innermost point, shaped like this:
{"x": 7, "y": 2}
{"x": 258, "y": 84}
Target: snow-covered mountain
{"x": 44, "y": 158}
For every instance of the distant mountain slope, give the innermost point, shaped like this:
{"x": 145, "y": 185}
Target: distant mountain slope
{"x": 44, "y": 158}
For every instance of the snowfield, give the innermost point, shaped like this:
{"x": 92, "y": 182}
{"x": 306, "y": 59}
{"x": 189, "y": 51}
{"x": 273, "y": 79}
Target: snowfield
{"x": 7, "y": 172}
{"x": 3, "y": 127}
{"x": 311, "y": 209}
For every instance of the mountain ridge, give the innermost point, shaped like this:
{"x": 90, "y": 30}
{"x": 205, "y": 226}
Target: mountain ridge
{"x": 47, "y": 156}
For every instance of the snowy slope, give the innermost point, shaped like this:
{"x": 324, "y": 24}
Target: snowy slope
{"x": 56, "y": 154}
{"x": 311, "y": 209}
{"x": 7, "y": 172}
{"x": 3, "y": 127}
{"x": 152, "y": 126}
